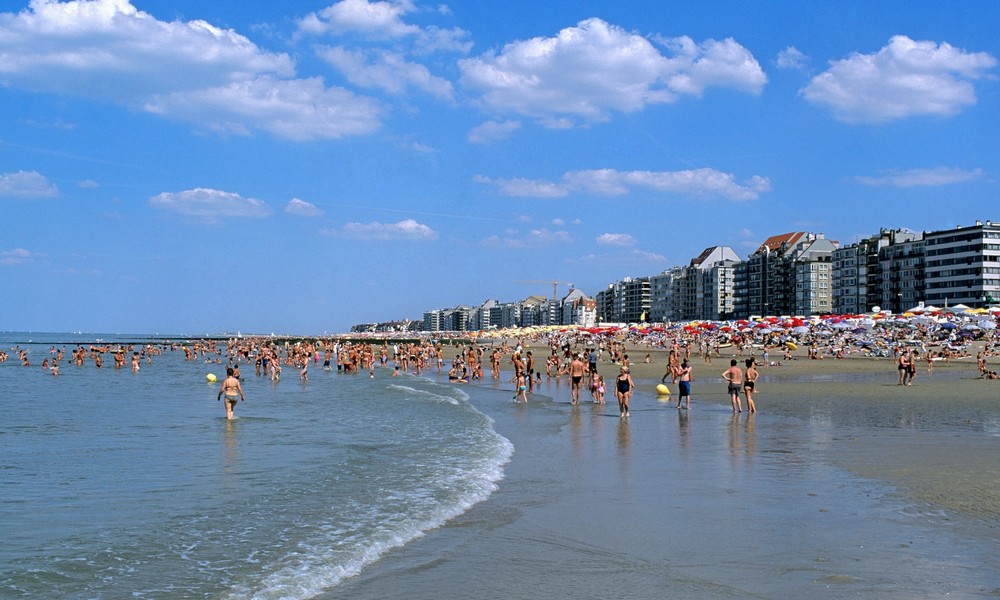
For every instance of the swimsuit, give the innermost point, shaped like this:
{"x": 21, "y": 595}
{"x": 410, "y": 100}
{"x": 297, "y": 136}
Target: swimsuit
{"x": 734, "y": 389}
{"x": 685, "y": 388}
{"x": 623, "y": 386}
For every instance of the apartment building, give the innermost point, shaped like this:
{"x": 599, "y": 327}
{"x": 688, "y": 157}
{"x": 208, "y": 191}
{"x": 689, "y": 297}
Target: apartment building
{"x": 962, "y": 265}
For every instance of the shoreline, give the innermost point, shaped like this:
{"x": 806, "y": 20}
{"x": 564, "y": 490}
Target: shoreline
{"x": 840, "y": 488}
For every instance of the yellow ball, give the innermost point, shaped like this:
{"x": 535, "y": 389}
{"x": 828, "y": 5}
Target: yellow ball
{"x": 211, "y": 377}
{"x": 662, "y": 390}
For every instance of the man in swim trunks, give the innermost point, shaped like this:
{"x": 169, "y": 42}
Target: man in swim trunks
{"x": 734, "y": 375}
{"x": 576, "y": 370}
{"x": 685, "y": 385}
{"x": 234, "y": 392}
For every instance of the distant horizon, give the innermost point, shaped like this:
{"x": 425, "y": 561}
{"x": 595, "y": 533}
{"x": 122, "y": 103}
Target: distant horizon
{"x": 309, "y": 166}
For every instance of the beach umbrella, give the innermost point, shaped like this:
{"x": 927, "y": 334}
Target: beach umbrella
{"x": 948, "y": 325}
{"x": 971, "y": 327}
{"x": 801, "y": 329}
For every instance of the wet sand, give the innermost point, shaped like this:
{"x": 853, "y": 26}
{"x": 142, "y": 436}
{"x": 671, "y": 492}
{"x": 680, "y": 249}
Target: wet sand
{"x": 843, "y": 485}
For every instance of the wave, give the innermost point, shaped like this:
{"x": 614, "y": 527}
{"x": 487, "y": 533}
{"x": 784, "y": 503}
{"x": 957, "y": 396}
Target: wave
{"x": 449, "y": 486}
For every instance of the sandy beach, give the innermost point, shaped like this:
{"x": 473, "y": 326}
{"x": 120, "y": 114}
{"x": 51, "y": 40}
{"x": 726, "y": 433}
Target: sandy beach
{"x": 844, "y": 484}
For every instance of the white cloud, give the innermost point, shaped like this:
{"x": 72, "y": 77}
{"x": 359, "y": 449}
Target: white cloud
{"x": 524, "y": 187}
{"x": 302, "y": 208}
{"x": 712, "y": 63}
{"x": 593, "y": 69}
{"x": 386, "y": 71}
{"x": 88, "y": 184}
{"x": 407, "y": 229}
{"x": 296, "y": 109}
{"x": 903, "y": 79}
{"x": 923, "y": 177}
{"x": 490, "y": 131}
{"x": 110, "y": 51}
{"x": 437, "y": 39}
{"x": 601, "y": 182}
{"x": 17, "y": 256}
{"x": 610, "y": 182}
{"x": 533, "y": 239}
{"x": 379, "y": 20}
{"x": 382, "y": 22}
{"x": 26, "y": 184}
{"x": 210, "y": 204}
{"x": 616, "y": 239}
{"x": 648, "y": 256}
{"x": 791, "y": 58}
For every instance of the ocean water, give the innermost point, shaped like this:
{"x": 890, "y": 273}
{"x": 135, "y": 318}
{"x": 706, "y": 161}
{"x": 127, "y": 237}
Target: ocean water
{"x": 116, "y": 484}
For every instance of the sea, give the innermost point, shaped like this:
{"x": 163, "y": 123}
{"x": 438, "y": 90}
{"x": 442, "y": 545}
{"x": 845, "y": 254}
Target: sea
{"x": 121, "y": 484}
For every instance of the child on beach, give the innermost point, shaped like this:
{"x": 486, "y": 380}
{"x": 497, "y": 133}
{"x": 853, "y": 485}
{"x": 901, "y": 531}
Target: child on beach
{"x": 522, "y": 388}
{"x": 597, "y": 388}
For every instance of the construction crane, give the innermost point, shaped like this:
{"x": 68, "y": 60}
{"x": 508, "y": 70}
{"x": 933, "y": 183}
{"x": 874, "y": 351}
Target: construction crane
{"x": 555, "y": 285}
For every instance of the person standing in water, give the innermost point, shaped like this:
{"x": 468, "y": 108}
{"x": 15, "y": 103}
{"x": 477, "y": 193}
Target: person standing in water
{"x": 234, "y": 392}
{"x": 623, "y": 391}
{"x": 685, "y": 385}
{"x": 749, "y": 384}
{"x": 734, "y": 376}
{"x": 576, "y": 371}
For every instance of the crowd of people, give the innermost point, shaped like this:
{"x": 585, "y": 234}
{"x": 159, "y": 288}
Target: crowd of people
{"x": 572, "y": 353}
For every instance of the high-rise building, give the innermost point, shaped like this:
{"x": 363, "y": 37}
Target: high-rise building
{"x": 789, "y": 274}
{"x": 962, "y": 265}
{"x": 900, "y": 278}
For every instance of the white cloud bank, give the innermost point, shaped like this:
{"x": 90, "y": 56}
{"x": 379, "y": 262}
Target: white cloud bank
{"x": 210, "y": 204}
{"x": 17, "y": 256}
{"x": 591, "y": 70}
{"x": 26, "y": 184}
{"x": 301, "y": 208}
{"x": 616, "y": 239}
{"x": 189, "y": 70}
{"x": 610, "y": 182}
{"x": 923, "y": 177}
{"x": 407, "y": 229}
{"x": 904, "y": 79}
{"x": 382, "y": 22}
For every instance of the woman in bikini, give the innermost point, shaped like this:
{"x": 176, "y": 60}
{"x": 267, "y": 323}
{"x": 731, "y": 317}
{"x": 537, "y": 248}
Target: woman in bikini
{"x": 233, "y": 390}
{"x": 749, "y": 383}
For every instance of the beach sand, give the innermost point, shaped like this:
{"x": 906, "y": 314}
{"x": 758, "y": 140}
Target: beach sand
{"x": 844, "y": 484}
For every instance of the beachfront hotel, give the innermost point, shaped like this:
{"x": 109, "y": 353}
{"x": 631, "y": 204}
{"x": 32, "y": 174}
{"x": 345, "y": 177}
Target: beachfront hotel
{"x": 797, "y": 273}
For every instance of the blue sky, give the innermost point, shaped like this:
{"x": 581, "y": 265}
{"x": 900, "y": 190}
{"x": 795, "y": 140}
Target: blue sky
{"x": 191, "y": 167}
